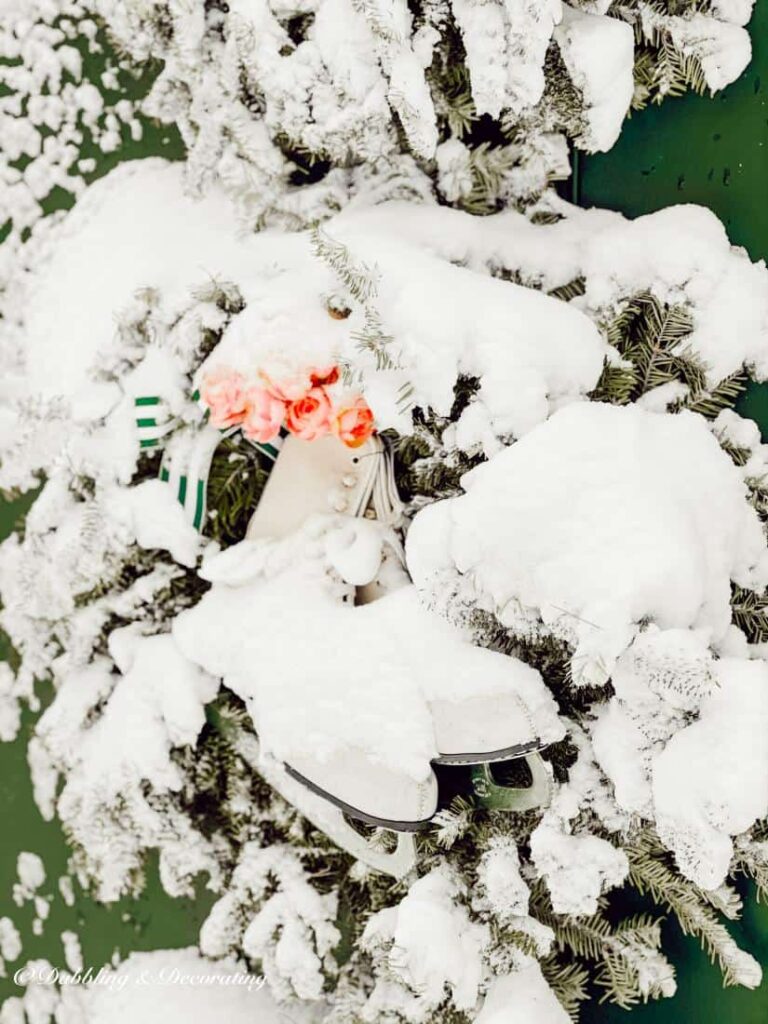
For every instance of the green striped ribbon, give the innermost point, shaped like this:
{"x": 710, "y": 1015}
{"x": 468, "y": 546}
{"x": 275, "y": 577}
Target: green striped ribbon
{"x": 186, "y": 462}
{"x": 152, "y": 421}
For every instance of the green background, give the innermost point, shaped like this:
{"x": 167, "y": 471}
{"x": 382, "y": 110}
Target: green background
{"x": 694, "y": 149}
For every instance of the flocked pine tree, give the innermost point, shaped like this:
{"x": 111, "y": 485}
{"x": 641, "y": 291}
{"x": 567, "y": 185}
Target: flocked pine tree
{"x": 511, "y": 343}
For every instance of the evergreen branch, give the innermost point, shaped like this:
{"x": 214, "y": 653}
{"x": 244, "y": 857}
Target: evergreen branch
{"x": 237, "y": 477}
{"x": 710, "y": 403}
{"x": 359, "y": 279}
{"x": 650, "y": 337}
{"x": 618, "y": 952}
{"x": 750, "y": 613}
{"x": 571, "y": 290}
{"x": 651, "y": 872}
{"x": 569, "y": 981}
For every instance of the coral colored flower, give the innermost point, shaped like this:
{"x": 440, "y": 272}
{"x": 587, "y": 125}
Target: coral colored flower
{"x": 324, "y": 374}
{"x": 224, "y": 392}
{"x": 353, "y": 422}
{"x": 264, "y": 417}
{"x": 310, "y": 417}
{"x": 289, "y": 388}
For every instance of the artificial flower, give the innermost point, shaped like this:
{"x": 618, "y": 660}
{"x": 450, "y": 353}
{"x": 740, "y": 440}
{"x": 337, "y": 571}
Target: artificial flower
{"x": 310, "y": 417}
{"x": 353, "y": 422}
{"x": 224, "y": 392}
{"x": 264, "y": 417}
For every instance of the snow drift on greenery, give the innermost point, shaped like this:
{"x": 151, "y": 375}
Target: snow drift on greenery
{"x": 166, "y": 986}
{"x": 589, "y": 361}
{"x": 530, "y": 319}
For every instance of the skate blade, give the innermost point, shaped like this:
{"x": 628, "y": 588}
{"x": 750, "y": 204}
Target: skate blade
{"x": 327, "y": 816}
{"x": 494, "y": 797}
{"x": 489, "y": 756}
{"x": 353, "y": 812}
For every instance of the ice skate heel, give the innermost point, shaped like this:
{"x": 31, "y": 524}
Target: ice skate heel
{"x": 326, "y": 813}
{"x": 495, "y": 796}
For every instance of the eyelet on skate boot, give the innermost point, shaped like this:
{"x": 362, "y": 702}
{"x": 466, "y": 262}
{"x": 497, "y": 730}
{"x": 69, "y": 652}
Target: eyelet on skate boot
{"x": 323, "y": 476}
{"x": 499, "y": 790}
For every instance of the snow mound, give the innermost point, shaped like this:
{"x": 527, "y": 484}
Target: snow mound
{"x": 599, "y": 54}
{"x": 286, "y": 638}
{"x": 171, "y": 986}
{"x": 681, "y": 254}
{"x": 597, "y": 520}
{"x": 711, "y": 780}
{"x": 135, "y": 228}
{"x": 431, "y": 948}
{"x": 520, "y": 998}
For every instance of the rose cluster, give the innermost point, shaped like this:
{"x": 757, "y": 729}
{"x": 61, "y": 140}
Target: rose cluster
{"x": 303, "y": 401}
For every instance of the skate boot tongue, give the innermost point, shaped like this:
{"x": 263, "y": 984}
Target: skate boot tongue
{"x": 320, "y": 477}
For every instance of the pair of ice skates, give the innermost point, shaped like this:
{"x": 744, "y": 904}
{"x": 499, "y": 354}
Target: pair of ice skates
{"x": 321, "y": 477}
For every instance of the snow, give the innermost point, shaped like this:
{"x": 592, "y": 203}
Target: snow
{"x": 44, "y": 107}
{"x": 545, "y": 350}
{"x": 269, "y": 598}
{"x": 10, "y": 711}
{"x": 505, "y": 46}
{"x": 167, "y": 241}
{"x": 599, "y": 53}
{"x": 737, "y": 11}
{"x": 711, "y": 780}
{"x": 722, "y": 48}
{"x": 73, "y": 954}
{"x": 67, "y": 891}
{"x": 681, "y": 254}
{"x": 521, "y": 998}
{"x": 432, "y": 949}
{"x": 158, "y": 521}
{"x": 656, "y": 526}
{"x": 499, "y": 879}
{"x": 578, "y": 869}
{"x": 75, "y": 303}
{"x": 31, "y": 874}
{"x": 273, "y": 913}
{"x": 155, "y": 703}
{"x": 166, "y": 986}
{"x": 10, "y": 940}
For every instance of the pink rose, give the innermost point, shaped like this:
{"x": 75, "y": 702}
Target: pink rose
{"x": 310, "y": 416}
{"x": 324, "y": 374}
{"x": 264, "y": 416}
{"x": 224, "y": 393}
{"x": 289, "y": 388}
{"x": 353, "y": 422}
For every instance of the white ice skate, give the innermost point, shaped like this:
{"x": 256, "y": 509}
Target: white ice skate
{"x": 480, "y": 710}
{"x": 494, "y": 725}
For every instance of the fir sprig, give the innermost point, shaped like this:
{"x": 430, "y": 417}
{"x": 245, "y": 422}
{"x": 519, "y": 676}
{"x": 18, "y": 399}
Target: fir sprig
{"x": 237, "y": 477}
